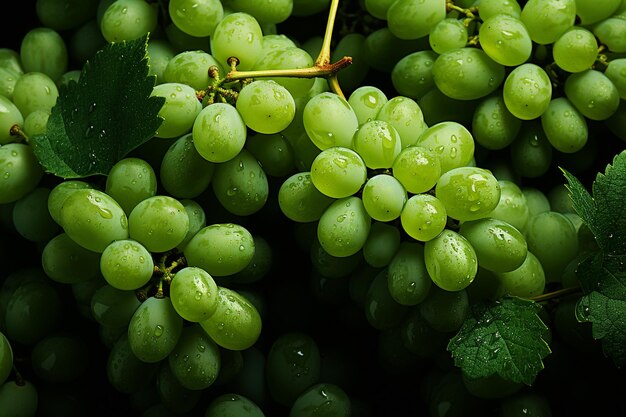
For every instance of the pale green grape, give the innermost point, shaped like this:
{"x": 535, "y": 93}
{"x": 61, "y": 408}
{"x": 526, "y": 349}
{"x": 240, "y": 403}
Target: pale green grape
{"x": 451, "y": 261}
{"x": 329, "y": 120}
{"x": 344, "y": 226}
{"x": 591, "y": 12}
{"x": 413, "y": 19}
{"x": 83, "y": 43}
{"x": 160, "y": 51}
{"x": 527, "y": 91}
{"x": 505, "y": 39}
{"x": 93, "y": 219}
{"x": 513, "y": 206}
{"x": 276, "y": 42}
{"x": 412, "y": 76}
{"x": 18, "y": 399}
{"x": 445, "y": 311}
{"x": 564, "y": 126}
{"x": 219, "y": 132}
{"x": 593, "y": 94}
{"x": 449, "y": 33}
{"x": 300, "y": 200}
{"x": 531, "y": 152}
{"x": 43, "y": 50}
{"x": 130, "y": 181}
{"x": 527, "y": 281}
{"x": 289, "y": 58}
{"x": 31, "y": 217}
{"x": 273, "y": 152}
{"x": 259, "y": 266}
{"x": 546, "y": 20}
{"x": 36, "y": 123}
{"x": 194, "y": 294}
{"x": 617, "y": 122}
{"x": 406, "y": 116}
{"x": 233, "y": 404}
{"x": 65, "y": 261}
{"x": 338, "y": 172}
{"x": 536, "y": 199}
{"x": 220, "y": 249}
{"x": 52, "y": 14}
{"x": 378, "y": 8}
{"x": 60, "y": 192}
{"x": 493, "y": 125}
{"x": 383, "y": 197}
{"x": 8, "y": 78}
{"x": 616, "y": 72}
{"x": 381, "y": 245}
{"x": 240, "y": 184}
{"x": 183, "y": 42}
{"x": 191, "y": 67}
{"x": 366, "y": 101}
{"x": 423, "y": 217}
{"x": 407, "y": 277}
{"x": 196, "y": 359}
{"x": 125, "y": 20}
{"x": 352, "y": 44}
{"x": 468, "y": 193}
{"x": 196, "y": 18}
{"x": 323, "y": 396}
{"x": 236, "y": 324}
{"x": 265, "y": 11}
{"x": 467, "y": 73}
{"x": 612, "y": 33}
{"x": 125, "y": 372}
{"x": 575, "y": 50}
{"x": 417, "y": 169}
{"x": 112, "y": 307}
{"x": 184, "y": 172}
{"x": 9, "y": 115}
{"x": 179, "y": 110}
{"x": 266, "y": 106}
{"x": 437, "y": 108}
{"x": 488, "y": 8}
{"x": 197, "y": 220}
{"x": 34, "y": 91}
{"x": 159, "y": 223}
{"x": 451, "y": 142}
{"x": 126, "y": 264}
{"x": 240, "y": 35}
{"x": 6, "y": 358}
{"x": 378, "y": 143}
{"x": 382, "y": 49}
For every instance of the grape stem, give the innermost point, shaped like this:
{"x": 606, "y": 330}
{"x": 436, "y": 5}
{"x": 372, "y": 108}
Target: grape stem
{"x": 16, "y": 130}
{"x": 470, "y": 13}
{"x": 556, "y": 294}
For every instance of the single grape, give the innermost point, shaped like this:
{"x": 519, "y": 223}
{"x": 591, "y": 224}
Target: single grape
{"x": 300, "y": 200}
{"x": 338, "y": 172}
{"x": 194, "y": 294}
{"x": 159, "y": 223}
{"x": 344, "y": 226}
{"x": 378, "y": 143}
{"x": 505, "y": 39}
{"x": 407, "y": 278}
{"x": 126, "y": 264}
{"x": 451, "y": 261}
{"x": 423, "y": 217}
{"x": 413, "y": 19}
{"x": 237, "y": 35}
{"x": 196, "y": 18}
{"x": 329, "y": 120}
{"x": 527, "y": 91}
{"x": 196, "y": 359}
{"x": 219, "y": 132}
{"x": 383, "y": 197}
{"x": 451, "y": 142}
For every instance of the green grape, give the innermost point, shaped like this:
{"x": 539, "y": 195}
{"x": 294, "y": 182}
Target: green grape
{"x": 322, "y": 399}
{"x": 338, "y": 172}
{"x": 417, "y": 169}
{"x": 329, "y": 121}
{"x": 273, "y": 152}
{"x": 493, "y": 126}
{"x": 449, "y": 33}
{"x": 418, "y": 337}
{"x": 154, "y": 329}
{"x": 240, "y": 184}
{"x": 196, "y": 18}
{"x": 546, "y": 20}
{"x": 260, "y": 265}
{"x": 93, "y": 219}
{"x": 276, "y": 42}
{"x": 445, "y": 311}
{"x": 437, "y": 108}
{"x": 468, "y": 193}
{"x": 531, "y": 152}
{"x": 62, "y": 14}
{"x": 112, "y": 307}
{"x": 612, "y": 33}
{"x": 130, "y": 181}
{"x": 351, "y": 44}
{"x": 196, "y": 360}
{"x": 60, "y": 192}
{"x": 18, "y": 399}
{"x": 6, "y": 358}
{"x": 493, "y": 386}
{"x": 407, "y": 277}
{"x": 378, "y": 8}
{"x": 575, "y": 50}
{"x": 413, "y": 19}
{"x": 236, "y": 324}
{"x": 9, "y": 116}
{"x": 467, "y": 73}
{"x": 451, "y": 261}
{"x": 233, "y": 405}
{"x": 381, "y": 245}
{"x": 393, "y": 357}
{"x": 65, "y": 261}
{"x": 412, "y": 76}
{"x": 593, "y": 94}
{"x": 194, "y": 294}
{"x": 266, "y": 11}
{"x": 382, "y": 49}
{"x": 292, "y": 365}
{"x": 184, "y": 42}
{"x": 423, "y": 217}
{"x": 499, "y": 246}
{"x": 590, "y": 12}
{"x": 266, "y": 106}
{"x": 240, "y": 35}
{"x": 184, "y": 172}
{"x": 616, "y": 72}
{"x": 552, "y": 238}
{"x": 31, "y": 217}
{"x": 300, "y": 200}
{"x": 220, "y": 249}
{"x": 289, "y": 58}
{"x": 125, "y": 372}
{"x": 617, "y": 122}
{"x": 378, "y": 143}
{"x": 83, "y": 43}
{"x": 160, "y": 52}
{"x": 564, "y": 126}
{"x": 527, "y": 91}
{"x": 179, "y": 110}
{"x": 366, "y": 101}
{"x": 382, "y": 311}
{"x": 307, "y": 8}
{"x": 231, "y": 366}
{"x": 525, "y": 404}
{"x": 406, "y": 116}
{"x": 536, "y": 200}
{"x": 451, "y": 142}
{"x": 505, "y": 39}
{"x": 197, "y": 220}
{"x": 174, "y": 397}
{"x": 34, "y": 91}
{"x": 219, "y": 132}
{"x": 126, "y": 264}
{"x": 159, "y": 223}
{"x": 8, "y": 78}
{"x": 383, "y": 197}
{"x": 43, "y": 50}
{"x": 36, "y": 123}
{"x": 60, "y": 358}
{"x": 526, "y": 281}
{"x": 20, "y": 172}
{"x": 488, "y": 8}
{"x": 513, "y": 206}
{"x": 344, "y": 226}
{"x": 190, "y": 67}
{"x": 125, "y": 20}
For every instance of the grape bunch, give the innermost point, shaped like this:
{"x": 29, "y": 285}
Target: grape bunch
{"x": 315, "y": 215}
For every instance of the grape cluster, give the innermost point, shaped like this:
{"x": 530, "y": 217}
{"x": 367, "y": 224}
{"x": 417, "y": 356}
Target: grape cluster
{"x": 267, "y": 196}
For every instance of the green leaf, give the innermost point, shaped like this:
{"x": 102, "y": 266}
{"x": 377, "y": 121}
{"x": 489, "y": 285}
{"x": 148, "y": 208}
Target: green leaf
{"x": 602, "y": 274}
{"x": 504, "y": 337}
{"x": 101, "y": 118}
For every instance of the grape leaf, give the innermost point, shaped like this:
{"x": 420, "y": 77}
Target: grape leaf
{"x": 602, "y": 274}
{"x": 101, "y": 118}
{"x": 502, "y": 337}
